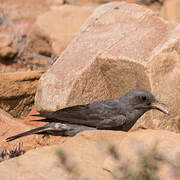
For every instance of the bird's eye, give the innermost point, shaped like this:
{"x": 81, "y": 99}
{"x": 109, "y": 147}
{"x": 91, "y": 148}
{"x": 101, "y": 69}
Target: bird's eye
{"x": 143, "y": 98}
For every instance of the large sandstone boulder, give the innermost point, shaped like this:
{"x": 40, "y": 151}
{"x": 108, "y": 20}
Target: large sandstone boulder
{"x": 86, "y": 156}
{"x": 17, "y": 91}
{"x": 53, "y": 30}
{"x": 121, "y": 46}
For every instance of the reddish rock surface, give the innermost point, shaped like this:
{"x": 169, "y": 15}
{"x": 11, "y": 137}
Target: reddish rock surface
{"x": 10, "y": 126}
{"x": 17, "y": 91}
{"x": 29, "y": 118}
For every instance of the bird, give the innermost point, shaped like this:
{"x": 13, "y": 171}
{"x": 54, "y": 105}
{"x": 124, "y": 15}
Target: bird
{"x": 111, "y": 114}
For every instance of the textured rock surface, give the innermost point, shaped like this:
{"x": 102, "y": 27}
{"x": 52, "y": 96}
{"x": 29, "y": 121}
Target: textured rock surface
{"x": 29, "y": 118}
{"x": 4, "y": 41}
{"x": 87, "y": 152}
{"x": 6, "y": 51}
{"x": 159, "y": 142}
{"x": 10, "y": 126}
{"x": 57, "y": 28}
{"x": 170, "y": 10}
{"x": 29, "y": 8}
{"x": 120, "y": 47}
{"x": 17, "y": 91}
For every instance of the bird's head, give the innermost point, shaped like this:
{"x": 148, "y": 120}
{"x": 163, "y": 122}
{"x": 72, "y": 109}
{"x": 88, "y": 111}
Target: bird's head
{"x": 144, "y": 100}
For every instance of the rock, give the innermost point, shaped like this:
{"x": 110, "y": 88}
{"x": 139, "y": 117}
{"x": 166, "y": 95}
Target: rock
{"x": 10, "y": 126}
{"x": 5, "y": 41}
{"x": 12, "y": 28}
{"x": 7, "y": 52}
{"x": 170, "y": 10}
{"x": 17, "y": 91}
{"x": 56, "y": 28}
{"x": 29, "y": 9}
{"x": 38, "y": 162}
{"x": 121, "y": 46}
{"x": 40, "y": 140}
{"x": 158, "y": 143}
{"x": 29, "y": 118}
{"x": 87, "y": 152}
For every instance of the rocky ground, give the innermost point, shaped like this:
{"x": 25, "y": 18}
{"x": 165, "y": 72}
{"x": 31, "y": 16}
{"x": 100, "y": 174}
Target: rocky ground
{"x": 92, "y": 49}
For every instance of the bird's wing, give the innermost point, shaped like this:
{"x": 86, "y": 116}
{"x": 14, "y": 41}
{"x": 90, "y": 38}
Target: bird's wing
{"x": 69, "y": 112}
{"x": 113, "y": 123}
{"x": 89, "y": 114}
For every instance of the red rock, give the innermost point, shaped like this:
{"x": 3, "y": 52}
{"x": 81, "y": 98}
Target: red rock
{"x": 29, "y": 118}
{"x": 10, "y": 126}
{"x": 17, "y": 91}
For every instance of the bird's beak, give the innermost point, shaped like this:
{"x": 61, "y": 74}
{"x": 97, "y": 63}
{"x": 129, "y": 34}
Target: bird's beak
{"x": 160, "y": 106}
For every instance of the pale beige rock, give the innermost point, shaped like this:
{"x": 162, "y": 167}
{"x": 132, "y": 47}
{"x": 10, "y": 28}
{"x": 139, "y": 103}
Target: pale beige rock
{"x": 85, "y": 151}
{"x": 160, "y": 142}
{"x": 120, "y": 47}
{"x": 170, "y": 10}
{"x": 88, "y": 153}
{"x": 27, "y": 9}
{"x": 7, "y": 52}
{"x": 5, "y": 41}
{"x": 17, "y": 91}
{"x": 57, "y": 28}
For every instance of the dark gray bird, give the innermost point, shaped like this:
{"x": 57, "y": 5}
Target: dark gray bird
{"x": 113, "y": 114}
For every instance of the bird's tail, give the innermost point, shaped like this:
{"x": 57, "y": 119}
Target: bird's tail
{"x": 32, "y": 131}
{"x": 55, "y": 129}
